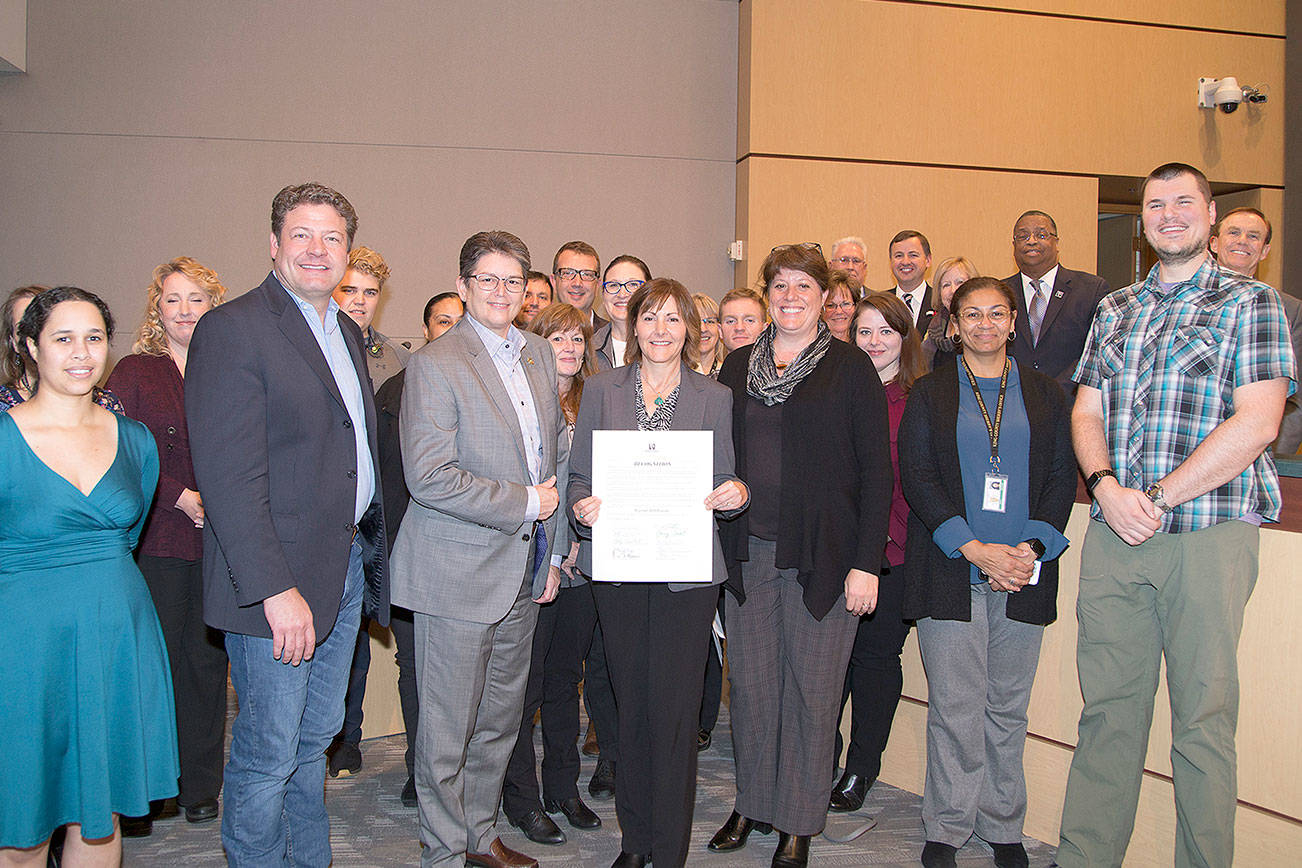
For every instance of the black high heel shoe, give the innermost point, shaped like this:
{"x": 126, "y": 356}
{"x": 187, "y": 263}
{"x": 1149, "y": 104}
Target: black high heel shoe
{"x": 734, "y": 833}
{"x": 792, "y": 852}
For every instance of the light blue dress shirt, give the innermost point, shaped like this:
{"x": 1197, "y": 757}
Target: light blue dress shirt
{"x": 335, "y": 349}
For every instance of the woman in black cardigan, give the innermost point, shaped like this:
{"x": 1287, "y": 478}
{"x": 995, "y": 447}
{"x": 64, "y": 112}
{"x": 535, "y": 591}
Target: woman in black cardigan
{"x": 811, "y": 433}
{"x": 987, "y": 468}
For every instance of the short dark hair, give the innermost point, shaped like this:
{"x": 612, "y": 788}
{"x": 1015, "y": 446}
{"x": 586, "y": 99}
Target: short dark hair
{"x": 1243, "y": 209}
{"x": 538, "y": 275}
{"x": 1036, "y": 213}
{"x": 652, "y": 295}
{"x": 631, "y": 260}
{"x": 1171, "y": 171}
{"x": 496, "y": 241}
{"x": 311, "y": 193}
{"x": 905, "y": 235}
{"x": 442, "y": 296}
{"x": 575, "y": 247}
{"x": 975, "y": 284}
{"x": 797, "y": 257}
{"x": 38, "y": 314}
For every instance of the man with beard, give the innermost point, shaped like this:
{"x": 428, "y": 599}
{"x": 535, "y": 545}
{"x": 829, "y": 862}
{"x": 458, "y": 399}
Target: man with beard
{"x": 1182, "y": 384}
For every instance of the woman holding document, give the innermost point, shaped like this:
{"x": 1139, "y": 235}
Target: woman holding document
{"x": 810, "y": 427}
{"x": 657, "y": 633}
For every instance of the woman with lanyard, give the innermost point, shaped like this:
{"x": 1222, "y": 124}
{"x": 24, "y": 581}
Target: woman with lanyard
{"x": 981, "y": 574}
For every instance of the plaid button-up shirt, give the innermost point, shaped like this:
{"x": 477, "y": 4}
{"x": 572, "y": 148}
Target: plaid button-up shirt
{"x": 1167, "y": 360}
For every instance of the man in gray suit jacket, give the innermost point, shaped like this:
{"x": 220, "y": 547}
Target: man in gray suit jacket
{"x": 483, "y": 440}
{"x": 283, "y": 435}
{"x": 1051, "y": 329}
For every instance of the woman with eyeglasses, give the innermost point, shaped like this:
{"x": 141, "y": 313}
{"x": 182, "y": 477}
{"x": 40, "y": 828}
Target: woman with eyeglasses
{"x": 838, "y": 310}
{"x": 623, "y": 277}
{"x": 988, "y": 472}
{"x": 940, "y": 344}
{"x": 811, "y": 433}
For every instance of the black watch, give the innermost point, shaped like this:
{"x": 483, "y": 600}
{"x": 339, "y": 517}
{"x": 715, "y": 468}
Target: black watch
{"x": 1036, "y": 546}
{"x": 1098, "y": 476}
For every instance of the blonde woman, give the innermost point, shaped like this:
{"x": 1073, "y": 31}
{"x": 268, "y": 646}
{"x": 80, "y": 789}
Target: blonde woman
{"x": 712, "y": 348}
{"x": 151, "y": 385}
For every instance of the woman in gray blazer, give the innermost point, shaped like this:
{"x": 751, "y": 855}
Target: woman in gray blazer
{"x": 656, "y": 633}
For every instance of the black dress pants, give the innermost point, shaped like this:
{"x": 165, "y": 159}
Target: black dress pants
{"x": 713, "y": 680}
{"x": 560, "y": 642}
{"x": 197, "y": 654}
{"x": 655, "y": 647}
{"x": 874, "y": 678}
{"x": 599, "y": 698}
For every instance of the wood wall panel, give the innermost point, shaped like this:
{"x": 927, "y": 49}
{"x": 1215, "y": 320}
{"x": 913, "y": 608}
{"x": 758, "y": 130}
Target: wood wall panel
{"x": 961, "y": 212}
{"x": 1270, "y": 766}
{"x": 1264, "y": 17}
{"x": 919, "y": 83}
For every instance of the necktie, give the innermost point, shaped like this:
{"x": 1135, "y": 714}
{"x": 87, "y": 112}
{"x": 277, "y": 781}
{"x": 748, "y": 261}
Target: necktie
{"x": 908, "y": 302}
{"x": 1039, "y": 304}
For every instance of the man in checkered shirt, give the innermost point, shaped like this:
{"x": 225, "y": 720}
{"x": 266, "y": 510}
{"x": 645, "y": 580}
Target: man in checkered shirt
{"x": 1182, "y": 385}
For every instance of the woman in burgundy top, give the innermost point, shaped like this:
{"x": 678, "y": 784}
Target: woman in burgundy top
{"x": 151, "y": 386}
{"x": 883, "y": 328}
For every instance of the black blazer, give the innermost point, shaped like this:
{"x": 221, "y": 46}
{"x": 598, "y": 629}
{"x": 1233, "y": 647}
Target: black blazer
{"x": 1067, "y": 320}
{"x": 936, "y": 586}
{"x": 276, "y": 462}
{"x": 393, "y": 485}
{"x": 835, "y": 478}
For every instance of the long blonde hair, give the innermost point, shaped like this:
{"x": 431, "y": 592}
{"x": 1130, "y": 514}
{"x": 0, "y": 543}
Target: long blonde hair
{"x": 707, "y": 306}
{"x": 152, "y": 340}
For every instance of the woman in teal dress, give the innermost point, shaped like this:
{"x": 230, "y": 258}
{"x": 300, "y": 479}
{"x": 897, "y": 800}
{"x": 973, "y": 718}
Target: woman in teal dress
{"x": 87, "y": 698}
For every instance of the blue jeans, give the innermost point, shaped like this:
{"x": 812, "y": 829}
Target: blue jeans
{"x": 274, "y": 806}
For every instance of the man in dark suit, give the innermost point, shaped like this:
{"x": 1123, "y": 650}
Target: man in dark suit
{"x": 1055, "y": 305}
{"x": 1240, "y": 241}
{"x": 576, "y": 268}
{"x": 910, "y": 258}
{"x": 282, "y": 429}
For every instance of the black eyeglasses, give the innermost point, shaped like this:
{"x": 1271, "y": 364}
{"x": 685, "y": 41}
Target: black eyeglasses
{"x": 571, "y": 273}
{"x": 628, "y": 286}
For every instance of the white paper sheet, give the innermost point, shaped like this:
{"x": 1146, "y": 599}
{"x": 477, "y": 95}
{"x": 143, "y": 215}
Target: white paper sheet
{"x": 654, "y": 525}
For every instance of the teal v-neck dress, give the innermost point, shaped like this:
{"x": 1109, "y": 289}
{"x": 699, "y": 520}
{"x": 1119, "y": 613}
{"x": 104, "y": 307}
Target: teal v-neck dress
{"x": 86, "y": 713}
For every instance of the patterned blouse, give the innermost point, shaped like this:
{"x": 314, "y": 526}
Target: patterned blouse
{"x": 9, "y": 397}
{"x": 664, "y": 414}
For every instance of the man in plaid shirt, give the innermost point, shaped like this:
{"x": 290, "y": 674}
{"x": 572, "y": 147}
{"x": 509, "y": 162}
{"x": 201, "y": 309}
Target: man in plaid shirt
{"x": 1182, "y": 385}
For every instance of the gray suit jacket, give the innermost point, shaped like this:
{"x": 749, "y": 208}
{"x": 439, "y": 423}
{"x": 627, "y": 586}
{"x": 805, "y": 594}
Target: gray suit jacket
{"x": 608, "y": 404}
{"x": 464, "y": 547}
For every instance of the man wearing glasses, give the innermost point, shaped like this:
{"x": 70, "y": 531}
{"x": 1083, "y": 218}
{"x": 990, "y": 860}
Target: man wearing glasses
{"x": 849, "y": 254}
{"x": 1055, "y": 305}
{"x": 576, "y": 268}
{"x": 482, "y": 439}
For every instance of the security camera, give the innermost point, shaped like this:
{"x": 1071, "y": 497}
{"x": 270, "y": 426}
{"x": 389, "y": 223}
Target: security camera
{"x": 1228, "y": 95}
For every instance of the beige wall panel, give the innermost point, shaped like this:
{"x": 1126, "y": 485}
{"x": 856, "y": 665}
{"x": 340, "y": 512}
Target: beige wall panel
{"x": 103, "y": 211}
{"x": 1270, "y": 766}
{"x": 960, "y": 211}
{"x": 830, "y": 78}
{"x": 1244, "y": 16}
{"x": 381, "y": 711}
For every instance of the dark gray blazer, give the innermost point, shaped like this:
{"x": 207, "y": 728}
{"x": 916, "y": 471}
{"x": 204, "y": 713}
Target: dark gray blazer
{"x": 608, "y": 405}
{"x": 276, "y": 463}
{"x": 1067, "y": 320}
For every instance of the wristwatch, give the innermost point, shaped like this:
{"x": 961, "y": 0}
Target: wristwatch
{"x": 1154, "y": 493}
{"x": 1098, "y": 476}
{"x": 1036, "y": 546}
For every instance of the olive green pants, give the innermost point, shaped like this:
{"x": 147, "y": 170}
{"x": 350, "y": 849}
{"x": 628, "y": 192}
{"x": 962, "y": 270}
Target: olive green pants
{"x": 1178, "y": 596}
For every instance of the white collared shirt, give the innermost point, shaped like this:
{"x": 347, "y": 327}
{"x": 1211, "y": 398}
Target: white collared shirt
{"x": 918, "y": 299}
{"x": 1028, "y": 289}
{"x": 506, "y": 355}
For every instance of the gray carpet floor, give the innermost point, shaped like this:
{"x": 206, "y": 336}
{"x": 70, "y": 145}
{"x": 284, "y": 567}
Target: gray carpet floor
{"x": 370, "y": 826}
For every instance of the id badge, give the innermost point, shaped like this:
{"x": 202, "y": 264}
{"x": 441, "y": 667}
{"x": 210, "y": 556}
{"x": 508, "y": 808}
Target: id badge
{"x": 995, "y": 496}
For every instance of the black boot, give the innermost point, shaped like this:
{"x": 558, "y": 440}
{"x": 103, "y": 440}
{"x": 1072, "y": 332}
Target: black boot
{"x": 792, "y": 852}
{"x": 848, "y": 794}
{"x": 734, "y": 833}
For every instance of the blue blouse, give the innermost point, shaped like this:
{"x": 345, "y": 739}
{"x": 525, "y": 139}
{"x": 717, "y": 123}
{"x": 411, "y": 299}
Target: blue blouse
{"x": 1014, "y": 524}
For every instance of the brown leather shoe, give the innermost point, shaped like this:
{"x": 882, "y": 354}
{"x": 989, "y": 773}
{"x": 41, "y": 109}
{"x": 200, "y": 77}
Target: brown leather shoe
{"x": 500, "y": 856}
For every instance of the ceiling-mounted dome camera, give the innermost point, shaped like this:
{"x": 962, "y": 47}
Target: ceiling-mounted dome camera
{"x": 1228, "y": 95}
